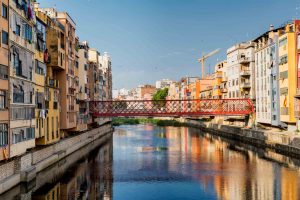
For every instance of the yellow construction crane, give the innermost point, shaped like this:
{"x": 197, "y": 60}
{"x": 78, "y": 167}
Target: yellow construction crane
{"x": 204, "y": 57}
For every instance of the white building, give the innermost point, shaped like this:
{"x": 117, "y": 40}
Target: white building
{"x": 267, "y": 73}
{"x": 241, "y": 71}
{"x": 163, "y": 83}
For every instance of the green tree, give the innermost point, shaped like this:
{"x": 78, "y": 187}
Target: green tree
{"x": 160, "y": 96}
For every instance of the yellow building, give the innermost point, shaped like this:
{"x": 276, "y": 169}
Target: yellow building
{"x": 287, "y": 79}
{"x": 217, "y": 81}
{"x": 48, "y": 192}
{"x": 48, "y": 120}
{"x": 39, "y": 75}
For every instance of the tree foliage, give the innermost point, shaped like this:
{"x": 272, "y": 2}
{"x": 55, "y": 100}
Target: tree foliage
{"x": 160, "y": 94}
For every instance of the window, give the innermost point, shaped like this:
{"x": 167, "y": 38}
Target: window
{"x": 17, "y": 64}
{"x": 18, "y": 30}
{"x": 40, "y": 68}
{"x": 4, "y": 37}
{"x": 4, "y": 11}
{"x": 3, "y": 134}
{"x": 3, "y": 72}
{"x": 3, "y": 100}
{"x": 18, "y": 94}
{"x": 20, "y": 135}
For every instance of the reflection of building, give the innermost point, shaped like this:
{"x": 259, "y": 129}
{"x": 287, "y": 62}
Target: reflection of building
{"x": 48, "y": 192}
{"x": 289, "y": 184}
{"x": 89, "y": 178}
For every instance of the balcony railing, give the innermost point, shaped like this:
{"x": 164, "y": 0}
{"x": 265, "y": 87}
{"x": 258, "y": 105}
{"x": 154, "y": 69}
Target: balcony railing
{"x": 244, "y": 60}
{"x": 245, "y": 73}
{"x": 224, "y": 90}
{"x": 224, "y": 79}
{"x": 297, "y": 93}
{"x": 52, "y": 82}
{"x": 246, "y": 85}
{"x": 71, "y": 107}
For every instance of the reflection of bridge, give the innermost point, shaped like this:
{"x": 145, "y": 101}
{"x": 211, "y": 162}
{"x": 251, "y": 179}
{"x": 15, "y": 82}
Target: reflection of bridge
{"x": 172, "y": 108}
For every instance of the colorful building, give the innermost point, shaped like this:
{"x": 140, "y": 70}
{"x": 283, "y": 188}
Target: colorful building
{"x": 240, "y": 71}
{"x": 5, "y": 139}
{"x": 22, "y": 87}
{"x": 287, "y": 77}
{"x": 267, "y": 73}
{"x": 83, "y": 118}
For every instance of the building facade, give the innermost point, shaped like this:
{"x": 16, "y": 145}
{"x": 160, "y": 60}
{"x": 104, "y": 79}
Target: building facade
{"x": 22, "y": 87}
{"x": 5, "y": 135}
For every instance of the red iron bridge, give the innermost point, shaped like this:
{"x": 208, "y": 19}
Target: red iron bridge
{"x": 172, "y": 108}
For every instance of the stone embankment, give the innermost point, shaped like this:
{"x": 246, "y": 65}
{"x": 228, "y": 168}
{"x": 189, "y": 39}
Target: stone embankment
{"x": 287, "y": 143}
{"x": 26, "y": 167}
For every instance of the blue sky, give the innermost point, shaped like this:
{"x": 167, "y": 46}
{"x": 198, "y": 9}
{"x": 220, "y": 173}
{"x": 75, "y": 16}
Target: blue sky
{"x": 153, "y": 39}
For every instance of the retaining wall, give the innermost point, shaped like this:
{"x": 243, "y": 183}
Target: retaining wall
{"x": 25, "y": 167}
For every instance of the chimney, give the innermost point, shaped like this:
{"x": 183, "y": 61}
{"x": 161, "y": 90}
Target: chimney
{"x": 271, "y": 28}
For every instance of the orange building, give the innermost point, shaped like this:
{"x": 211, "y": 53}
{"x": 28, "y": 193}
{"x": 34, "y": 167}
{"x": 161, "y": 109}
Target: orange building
{"x": 4, "y": 64}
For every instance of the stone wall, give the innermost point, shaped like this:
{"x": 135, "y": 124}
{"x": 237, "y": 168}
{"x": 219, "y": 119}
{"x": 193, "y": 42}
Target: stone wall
{"x": 25, "y": 167}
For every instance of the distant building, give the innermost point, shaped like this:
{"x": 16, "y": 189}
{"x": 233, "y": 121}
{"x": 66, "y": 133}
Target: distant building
{"x": 144, "y": 91}
{"x": 163, "y": 83}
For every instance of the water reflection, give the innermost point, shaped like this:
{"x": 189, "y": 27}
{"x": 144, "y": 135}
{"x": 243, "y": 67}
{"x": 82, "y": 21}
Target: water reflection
{"x": 90, "y": 178}
{"x": 181, "y": 163}
{"x": 150, "y": 163}
{"x": 83, "y": 175}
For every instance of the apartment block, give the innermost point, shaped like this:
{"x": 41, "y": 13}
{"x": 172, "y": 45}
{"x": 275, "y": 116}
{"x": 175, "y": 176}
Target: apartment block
{"x": 95, "y": 80}
{"x": 287, "y": 77}
{"x": 297, "y": 96}
{"x": 105, "y": 66}
{"x": 46, "y": 82}
{"x": 267, "y": 75}
{"x": 22, "y": 66}
{"x": 221, "y": 68}
{"x": 68, "y": 80}
{"x": 240, "y": 71}
{"x": 5, "y": 139}
{"x": 83, "y": 118}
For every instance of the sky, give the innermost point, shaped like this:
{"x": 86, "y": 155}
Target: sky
{"x": 149, "y": 40}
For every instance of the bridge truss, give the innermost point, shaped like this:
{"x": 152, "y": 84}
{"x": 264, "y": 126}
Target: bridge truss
{"x": 172, "y": 108}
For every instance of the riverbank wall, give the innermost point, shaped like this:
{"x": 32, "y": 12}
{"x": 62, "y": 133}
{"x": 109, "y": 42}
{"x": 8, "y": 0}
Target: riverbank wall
{"x": 25, "y": 168}
{"x": 286, "y": 143}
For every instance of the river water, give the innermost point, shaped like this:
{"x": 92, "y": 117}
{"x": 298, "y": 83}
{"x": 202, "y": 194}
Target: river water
{"x": 169, "y": 163}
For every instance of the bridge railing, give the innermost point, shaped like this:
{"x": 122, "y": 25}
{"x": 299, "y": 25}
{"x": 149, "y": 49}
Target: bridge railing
{"x": 172, "y": 107}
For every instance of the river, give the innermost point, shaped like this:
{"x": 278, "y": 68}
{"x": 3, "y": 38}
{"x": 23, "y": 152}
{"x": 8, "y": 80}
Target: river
{"x": 170, "y": 163}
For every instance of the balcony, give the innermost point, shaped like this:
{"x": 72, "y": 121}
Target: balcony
{"x": 52, "y": 82}
{"x": 244, "y": 60}
{"x": 245, "y": 73}
{"x": 224, "y": 90}
{"x": 224, "y": 79}
{"x": 245, "y": 85}
{"x": 71, "y": 91}
{"x": 297, "y": 109}
{"x": 219, "y": 75}
{"x": 71, "y": 107}
{"x": 297, "y": 95}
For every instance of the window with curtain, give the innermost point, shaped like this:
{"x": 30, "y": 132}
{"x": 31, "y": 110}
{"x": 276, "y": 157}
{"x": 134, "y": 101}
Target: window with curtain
{"x": 2, "y": 99}
{"x": 3, "y": 134}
